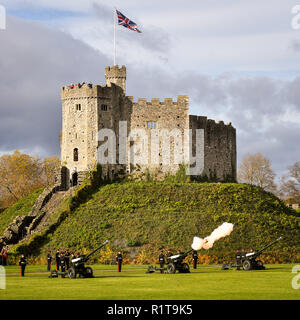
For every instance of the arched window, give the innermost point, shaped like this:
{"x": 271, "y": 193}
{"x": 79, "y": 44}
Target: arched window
{"x": 75, "y": 154}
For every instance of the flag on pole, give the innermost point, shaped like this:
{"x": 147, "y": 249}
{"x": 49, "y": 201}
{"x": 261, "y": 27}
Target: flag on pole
{"x": 127, "y": 23}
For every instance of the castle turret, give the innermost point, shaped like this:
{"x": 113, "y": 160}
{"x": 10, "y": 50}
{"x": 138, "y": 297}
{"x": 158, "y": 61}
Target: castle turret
{"x": 116, "y": 75}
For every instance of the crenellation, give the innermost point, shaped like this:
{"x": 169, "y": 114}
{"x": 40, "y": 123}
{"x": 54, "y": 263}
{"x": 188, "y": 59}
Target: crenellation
{"x": 155, "y": 100}
{"x": 88, "y": 108}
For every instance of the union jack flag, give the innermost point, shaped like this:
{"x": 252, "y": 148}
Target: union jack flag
{"x": 127, "y": 23}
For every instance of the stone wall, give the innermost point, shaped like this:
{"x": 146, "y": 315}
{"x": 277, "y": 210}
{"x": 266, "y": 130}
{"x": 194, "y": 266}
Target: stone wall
{"x": 88, "y": 109}
{"x": 23, "y": 225}
{"x": 167, "y": 115}
{"x": 219, "y": 148}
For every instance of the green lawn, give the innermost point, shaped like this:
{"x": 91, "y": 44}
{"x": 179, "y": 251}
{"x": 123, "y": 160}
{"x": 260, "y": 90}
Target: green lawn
{"x": 207, "y": 282}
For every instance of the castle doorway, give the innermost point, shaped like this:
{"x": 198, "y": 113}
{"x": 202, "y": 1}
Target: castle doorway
{"x": 75, "y": 179}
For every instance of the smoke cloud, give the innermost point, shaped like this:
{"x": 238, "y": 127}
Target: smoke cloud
{"x": 222, "y": 231}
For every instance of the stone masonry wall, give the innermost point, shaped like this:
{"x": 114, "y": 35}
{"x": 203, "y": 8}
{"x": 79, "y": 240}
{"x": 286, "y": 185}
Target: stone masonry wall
{"x": 169, "y": 115}
{"x": 219, "y": 148}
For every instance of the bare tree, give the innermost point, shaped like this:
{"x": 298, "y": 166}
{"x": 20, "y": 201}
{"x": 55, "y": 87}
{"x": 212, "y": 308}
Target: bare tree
{"x": 256, "y": 169}
{"x": 290, "y": 184}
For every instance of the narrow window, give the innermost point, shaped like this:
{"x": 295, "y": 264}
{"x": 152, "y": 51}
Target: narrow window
{"x": 151, "y": 124}
{"x": 78, "y": 107}
{"x": 104, "y": 107}
{"x": 75, "y": 154}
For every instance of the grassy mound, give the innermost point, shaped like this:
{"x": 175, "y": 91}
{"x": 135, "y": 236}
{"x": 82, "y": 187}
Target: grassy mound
{"x": 20, "y": 208}
{"x": 141, "y": 218}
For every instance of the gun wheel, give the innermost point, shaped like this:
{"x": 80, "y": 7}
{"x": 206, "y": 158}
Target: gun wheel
{"x": 171, "y": 268}
{"x": 247, "y": 265}
{"x": 88, "y": 272}
{"x": 72, "y": 273}
{"x": 185, "y": 268}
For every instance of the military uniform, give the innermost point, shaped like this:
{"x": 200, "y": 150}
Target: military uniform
{"x": 67, "y": 258}
{"x": 119, "y": 259}
{"x": 162, "y": 261}
{"x": 243, "y": 255}
{"x": 169, "y": 254}
{"x": 4, "y": 256}
{"x": 195, "y": 258}
{"x": 49, "y": 259}
{"x": 238, "y": 258}
{"x": 57, "y": 259}
{"x": 62, "y": 262}
{"x": 22, "y": 264}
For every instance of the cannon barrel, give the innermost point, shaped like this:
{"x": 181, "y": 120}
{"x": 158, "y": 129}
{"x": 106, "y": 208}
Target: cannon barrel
{"x": 269, "y": 245}
{"x": 181, "y": 255}
{"x": 255, "y": 254}
{"x": 86, "y": 257}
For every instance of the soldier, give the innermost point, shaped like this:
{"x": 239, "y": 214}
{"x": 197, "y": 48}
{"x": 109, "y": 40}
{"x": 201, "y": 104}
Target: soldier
{"x": 57, "y": 258}
{"x": 169, "y": 254}
{"x": 49, "y": 259}
{"x": 62, "y": 261}
{"x": 22, "y": 264}
{"x": 243, "y": 255}
{"x": 119, "y": 260}
{"x": 195, "y": 258}
{"x": 162, "y": 261}
{"x": 67, "y": 258}
{"x": 4, "y": 255}
{"x": 238, "y": 257}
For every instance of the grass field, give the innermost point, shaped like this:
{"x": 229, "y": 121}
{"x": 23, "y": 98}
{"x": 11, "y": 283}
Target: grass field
{"x": 207, "y": 282}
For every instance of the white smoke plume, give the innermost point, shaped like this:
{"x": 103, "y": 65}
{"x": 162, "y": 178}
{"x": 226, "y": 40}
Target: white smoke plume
{"x": 222, "y": 231}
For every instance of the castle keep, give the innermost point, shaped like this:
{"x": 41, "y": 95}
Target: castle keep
{"x": 87, "y": 109}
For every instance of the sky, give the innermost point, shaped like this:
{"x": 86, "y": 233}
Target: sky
{"x": 238, "y": 61}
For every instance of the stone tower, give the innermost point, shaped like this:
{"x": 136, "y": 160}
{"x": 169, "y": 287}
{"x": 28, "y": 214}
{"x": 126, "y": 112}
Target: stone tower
{"x": 89, "y": 110}
{"x": 86, "y": 109}
{"x": 117, "y": 76}
{"x": 79, "y": 129}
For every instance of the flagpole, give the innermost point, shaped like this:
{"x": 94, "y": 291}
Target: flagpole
{"x": 115, "y": 50}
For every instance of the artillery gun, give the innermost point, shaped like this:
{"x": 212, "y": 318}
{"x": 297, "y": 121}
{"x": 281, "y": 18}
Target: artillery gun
{"x": 250, "y": 261}
{"x": 78, "y": 265}
{"x": 175, "y": 262}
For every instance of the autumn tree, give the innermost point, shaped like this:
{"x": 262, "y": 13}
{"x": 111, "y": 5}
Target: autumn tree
{"x": 21, "y": 173}
{"x": 290, "y": 183}
{"x": 50, "y": 168}
{"x": 256, "y": 169}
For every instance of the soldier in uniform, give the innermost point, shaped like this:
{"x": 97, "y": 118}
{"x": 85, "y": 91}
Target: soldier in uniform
{"x": 238, "y": 258}
{"x": 49, "y": 259}
{"x": 243, "y": 255}
{"x": 57, "y": 258}
{"x": 4, "y": 255}
{"x": 119, "y": 260}
{"x": 67, "y": 258}
{"x": 195, "y": 258}
{"x": 162, "y": 261}
{"x": 22, "y": 264}
{"x": 169, "y": 254}
{"x": 62, "y": 261}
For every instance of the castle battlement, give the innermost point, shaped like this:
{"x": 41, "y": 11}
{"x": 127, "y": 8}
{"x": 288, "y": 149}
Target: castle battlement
{"x": 88, "y": 108}
{"x": 116, "y": 75}
{"x": 143, "y": 101}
